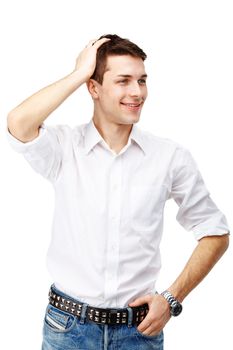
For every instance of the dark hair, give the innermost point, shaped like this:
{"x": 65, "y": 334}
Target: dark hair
{"x": 115, "y": 46}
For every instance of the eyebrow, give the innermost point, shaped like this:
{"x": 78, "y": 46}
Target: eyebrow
{"x": 130, "y": 76}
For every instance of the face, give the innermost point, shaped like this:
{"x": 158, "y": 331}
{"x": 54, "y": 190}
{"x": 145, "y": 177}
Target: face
{"x": 123, "y": 92}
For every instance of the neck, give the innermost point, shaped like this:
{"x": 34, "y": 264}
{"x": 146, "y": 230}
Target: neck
{"x": 115, "y": 135}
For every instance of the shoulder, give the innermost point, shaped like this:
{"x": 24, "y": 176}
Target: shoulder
{"x": 65, "y": 132}
{"x": 166, "y": 150}
{"x": 161, "y": 143}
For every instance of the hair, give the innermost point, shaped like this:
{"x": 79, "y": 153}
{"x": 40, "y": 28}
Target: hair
{"x": 115, "y": 46}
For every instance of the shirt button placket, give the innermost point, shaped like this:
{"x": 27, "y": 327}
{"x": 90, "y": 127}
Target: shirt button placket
{"x": 112, "y": 261}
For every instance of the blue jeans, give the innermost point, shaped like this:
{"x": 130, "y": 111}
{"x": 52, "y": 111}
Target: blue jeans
{"x": 63, "y": 331}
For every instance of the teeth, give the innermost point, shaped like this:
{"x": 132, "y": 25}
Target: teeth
{"x": 132, "y": 105}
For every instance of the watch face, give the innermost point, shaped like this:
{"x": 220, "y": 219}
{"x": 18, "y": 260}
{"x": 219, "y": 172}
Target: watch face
{"x": 176, "y": 309}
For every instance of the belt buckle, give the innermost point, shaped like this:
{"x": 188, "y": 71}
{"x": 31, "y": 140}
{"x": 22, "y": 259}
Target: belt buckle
{"x": 112, "y": 317}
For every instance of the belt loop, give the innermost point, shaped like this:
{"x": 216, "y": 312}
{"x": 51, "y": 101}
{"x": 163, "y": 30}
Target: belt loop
{"x": 130, "y": 316}
{"x": 83, "y": 313}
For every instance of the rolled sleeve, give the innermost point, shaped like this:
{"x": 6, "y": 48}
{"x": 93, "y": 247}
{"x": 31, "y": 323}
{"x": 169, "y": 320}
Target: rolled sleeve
{"x": 43, "y": 153}
{"x": 197, "y": 211}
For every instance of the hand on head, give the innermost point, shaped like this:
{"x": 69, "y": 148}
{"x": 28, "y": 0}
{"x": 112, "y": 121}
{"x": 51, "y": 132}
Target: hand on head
{"x": 86, "y": 60}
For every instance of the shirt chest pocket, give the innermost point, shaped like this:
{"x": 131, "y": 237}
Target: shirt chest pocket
{"x": 146, "y": 204}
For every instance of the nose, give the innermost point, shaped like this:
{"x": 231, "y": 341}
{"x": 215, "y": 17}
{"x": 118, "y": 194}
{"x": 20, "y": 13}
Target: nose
{"x": 135, "y": 90}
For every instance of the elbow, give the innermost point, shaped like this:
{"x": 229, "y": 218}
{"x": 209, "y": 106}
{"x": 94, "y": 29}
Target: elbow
{"x": 10, "y": 118}
{"x": 14, "y": 121}
{"x": 226, "y": 241}
{"x": 217, "y": 243}
{"x": 14, "y": 116}
{"x": 19, "y": 128}
{"x": 15, "y": 125}
{"x": 223, "y": 243}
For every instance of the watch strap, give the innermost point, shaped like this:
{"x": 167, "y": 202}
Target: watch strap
{"x": 169, "y": 297}
{"x": 175, "y": 305}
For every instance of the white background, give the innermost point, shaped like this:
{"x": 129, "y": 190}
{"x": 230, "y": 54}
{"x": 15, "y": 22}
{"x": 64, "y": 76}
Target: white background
{"x": 189, "y": 48}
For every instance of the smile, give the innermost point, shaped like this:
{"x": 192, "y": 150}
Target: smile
{"x": 132, "y": 106}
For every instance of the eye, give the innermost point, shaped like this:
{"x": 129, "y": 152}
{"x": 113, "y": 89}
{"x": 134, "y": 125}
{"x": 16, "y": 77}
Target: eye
{"x": 142, "y": 81}
{"x": 123, "y": 81}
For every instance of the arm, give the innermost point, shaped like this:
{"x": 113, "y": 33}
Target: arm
{"x": 24, "y": 120}
{"x": 208, "y": 251}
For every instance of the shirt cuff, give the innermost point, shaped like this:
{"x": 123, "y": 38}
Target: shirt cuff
{"x": 23, "y": 147}
{"x": 216, "y": 226}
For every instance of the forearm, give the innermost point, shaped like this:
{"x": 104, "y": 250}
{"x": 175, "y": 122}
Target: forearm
{"x": 208, "y": 251}
{"x": 26, "y": 118}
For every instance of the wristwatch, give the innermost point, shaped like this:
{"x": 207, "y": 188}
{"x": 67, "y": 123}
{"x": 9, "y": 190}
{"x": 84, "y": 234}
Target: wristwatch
{"x": 175, "y": 305}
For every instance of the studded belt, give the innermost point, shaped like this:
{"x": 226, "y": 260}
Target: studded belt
{"x": 108, "y": 316}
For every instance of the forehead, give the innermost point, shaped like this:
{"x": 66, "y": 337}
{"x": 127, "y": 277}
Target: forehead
{"x": 124, "y": 65}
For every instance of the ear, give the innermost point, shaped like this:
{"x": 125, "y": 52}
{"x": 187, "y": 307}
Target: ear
{"x": 92, "y": 87}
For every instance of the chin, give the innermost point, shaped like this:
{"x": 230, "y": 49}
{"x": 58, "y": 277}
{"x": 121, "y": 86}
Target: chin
{"x": 128, "y": 120}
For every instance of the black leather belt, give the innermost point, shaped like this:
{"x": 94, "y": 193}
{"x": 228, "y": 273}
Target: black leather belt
{"x": 108, "y": 316}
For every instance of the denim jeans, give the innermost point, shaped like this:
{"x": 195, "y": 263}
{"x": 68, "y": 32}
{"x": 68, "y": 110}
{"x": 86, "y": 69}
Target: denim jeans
{"x": 63, "y": 331}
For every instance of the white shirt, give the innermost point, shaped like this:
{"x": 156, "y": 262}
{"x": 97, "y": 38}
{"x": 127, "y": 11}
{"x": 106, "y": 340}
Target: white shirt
{"x": 108, "y": 216}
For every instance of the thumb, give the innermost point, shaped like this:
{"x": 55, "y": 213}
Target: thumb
{"x": 141, "y": 300}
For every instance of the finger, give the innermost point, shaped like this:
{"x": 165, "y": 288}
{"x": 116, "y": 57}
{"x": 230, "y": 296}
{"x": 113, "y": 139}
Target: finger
{"x": 151, "y": 331}
{"x": 147, "y": 322}
{"x": 144, "y": 326}
{"x": 91, "y": 42}
{"x": 100, "y": 42}
{"x": 142, "y": 300}
{"x": 148, "y": 331}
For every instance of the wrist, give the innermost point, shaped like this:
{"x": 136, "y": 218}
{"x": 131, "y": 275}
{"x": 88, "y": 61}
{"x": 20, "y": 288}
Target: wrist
{"x": 177, "y": 293}
{"x": 174, "y": 304}
{"x": 78, "y": 77}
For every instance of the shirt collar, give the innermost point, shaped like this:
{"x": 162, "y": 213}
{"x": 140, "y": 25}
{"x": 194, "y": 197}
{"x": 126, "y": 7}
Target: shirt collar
{"x": 92, "y": 137}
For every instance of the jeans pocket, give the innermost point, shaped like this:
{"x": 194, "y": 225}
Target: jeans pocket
{"x": 58, "y": 321}
{"x": 156, "y": 336}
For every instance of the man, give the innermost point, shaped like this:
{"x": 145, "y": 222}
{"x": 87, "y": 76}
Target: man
{"x": 111, "y": 182}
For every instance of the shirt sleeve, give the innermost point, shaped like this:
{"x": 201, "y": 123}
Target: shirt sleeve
{"x": 197, "y": 211}
{"x": 44, "y": 153}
